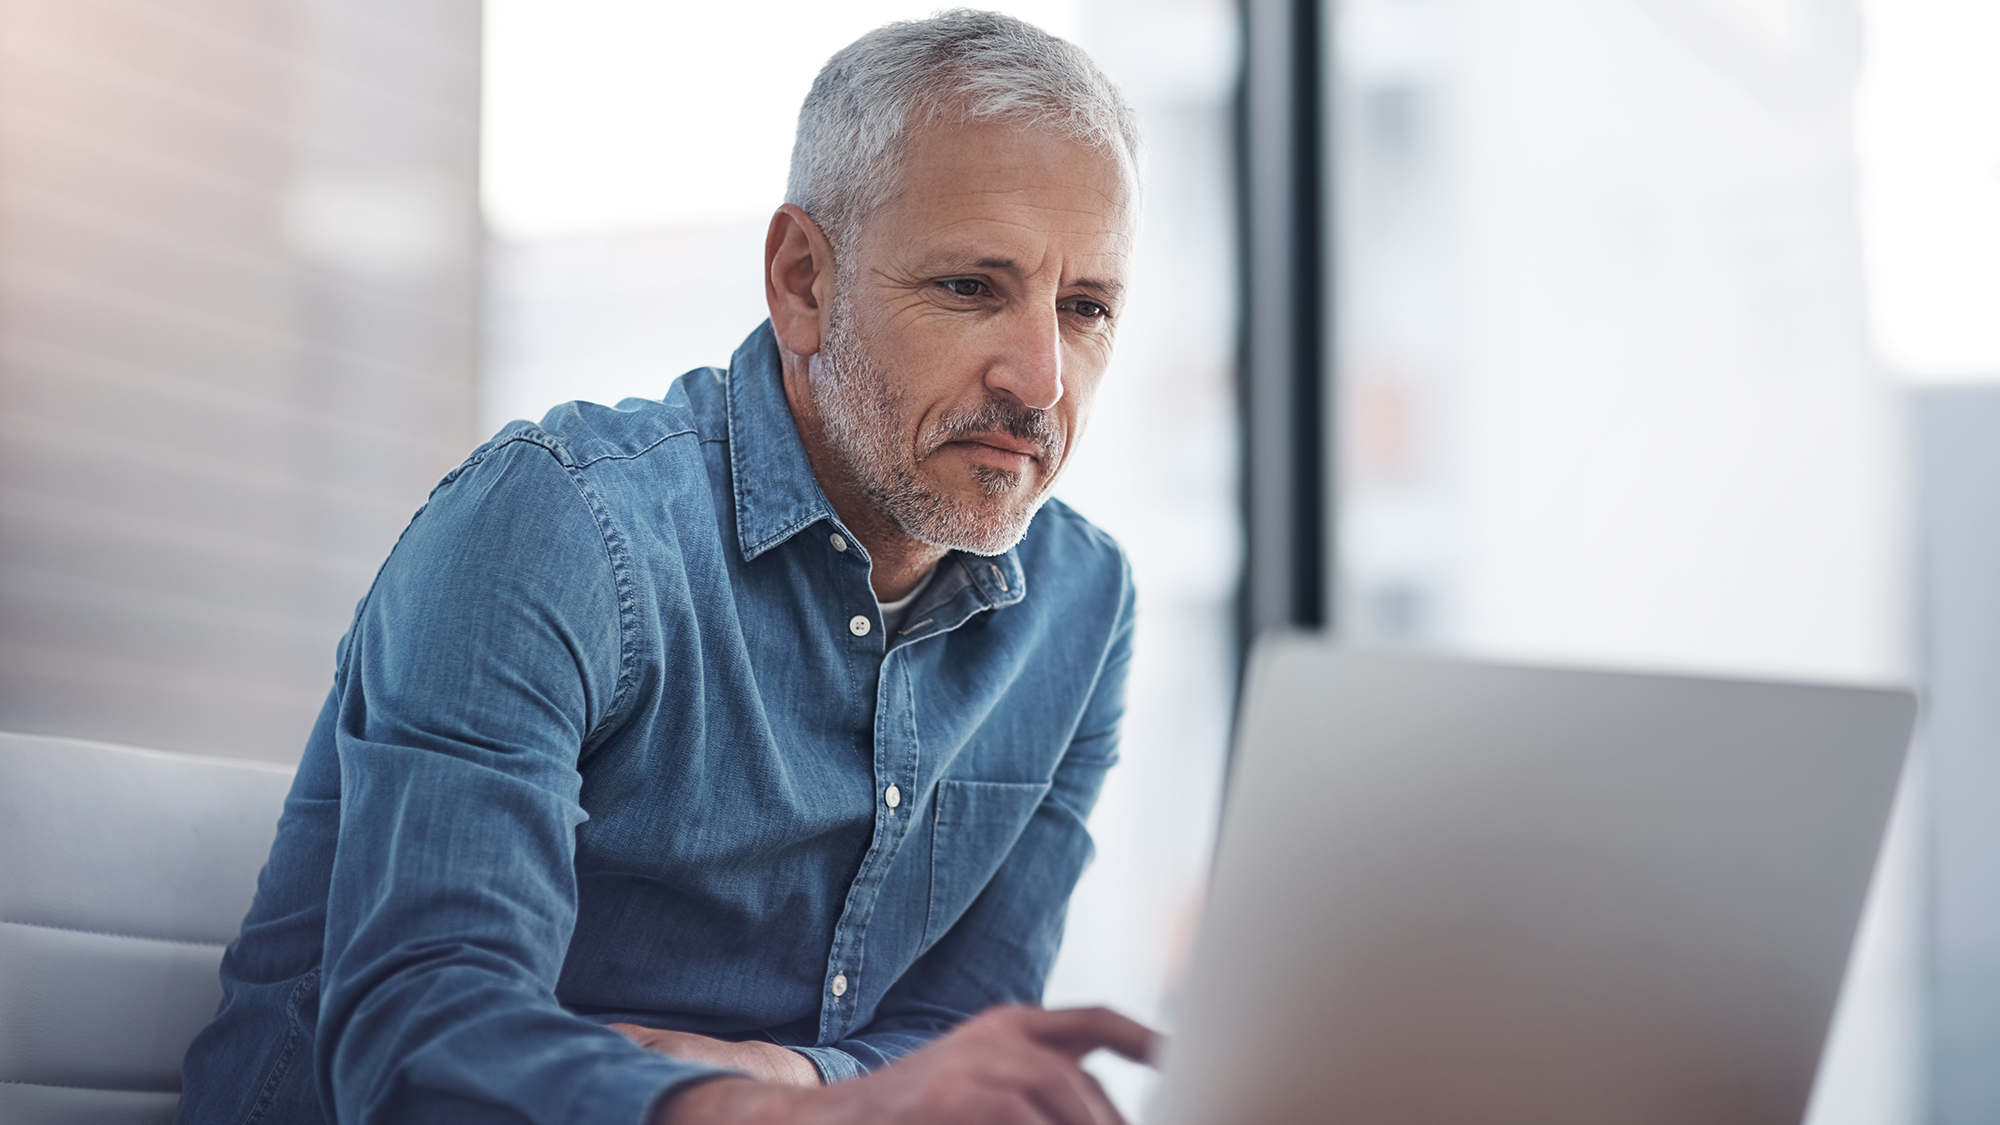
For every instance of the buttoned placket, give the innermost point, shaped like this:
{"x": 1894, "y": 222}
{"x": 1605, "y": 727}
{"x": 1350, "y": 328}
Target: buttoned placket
{"x": 894, "y": 758}
{"x": 868, "y": 641}
{"x": 776, "y": 502}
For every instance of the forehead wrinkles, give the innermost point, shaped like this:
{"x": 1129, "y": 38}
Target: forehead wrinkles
{"x": 1032, "y": 251}
{"x": 1039, "y": 213}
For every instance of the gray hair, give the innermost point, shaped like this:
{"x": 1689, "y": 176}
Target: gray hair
{"x": 968, "y": 65}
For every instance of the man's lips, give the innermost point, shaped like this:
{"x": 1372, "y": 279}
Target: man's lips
{"x": 1002, "y": 444}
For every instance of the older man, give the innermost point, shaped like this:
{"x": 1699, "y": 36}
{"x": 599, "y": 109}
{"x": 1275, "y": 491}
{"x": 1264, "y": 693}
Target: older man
{"x": 690, "y": 758}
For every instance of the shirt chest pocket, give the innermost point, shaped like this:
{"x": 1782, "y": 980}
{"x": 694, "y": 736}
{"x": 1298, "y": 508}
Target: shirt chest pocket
{"x": 974, "y": 827}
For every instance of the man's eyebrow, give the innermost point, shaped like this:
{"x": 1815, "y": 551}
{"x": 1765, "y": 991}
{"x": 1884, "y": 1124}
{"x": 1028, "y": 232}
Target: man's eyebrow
{"x": 1108, "y": 288}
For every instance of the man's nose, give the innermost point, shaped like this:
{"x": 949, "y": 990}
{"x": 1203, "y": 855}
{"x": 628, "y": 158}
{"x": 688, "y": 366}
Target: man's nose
{"x": 1029, "y": 367}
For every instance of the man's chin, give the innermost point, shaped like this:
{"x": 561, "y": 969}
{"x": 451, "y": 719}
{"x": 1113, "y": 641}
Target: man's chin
{"x": 982, "y": 527}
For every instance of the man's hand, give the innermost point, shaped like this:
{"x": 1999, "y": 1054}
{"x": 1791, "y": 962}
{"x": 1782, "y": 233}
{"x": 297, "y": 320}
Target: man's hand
{"x": 1006, "y": 1066}
{"x": 766, "y": 1062}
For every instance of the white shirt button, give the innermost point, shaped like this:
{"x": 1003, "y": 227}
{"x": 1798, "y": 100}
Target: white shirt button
{"x": 858, "y": 625}
{"x": 840, "y": 984}
{"x": 839, "y": 543}
{"x": 892, "y": 796}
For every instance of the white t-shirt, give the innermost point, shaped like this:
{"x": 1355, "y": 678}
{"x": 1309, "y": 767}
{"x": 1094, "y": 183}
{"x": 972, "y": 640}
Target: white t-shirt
{"x": 893, "y": 612}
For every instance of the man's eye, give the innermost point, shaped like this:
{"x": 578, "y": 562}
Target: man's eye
{"x": 1089, "y": 309}
{"x": 965, "y": 286}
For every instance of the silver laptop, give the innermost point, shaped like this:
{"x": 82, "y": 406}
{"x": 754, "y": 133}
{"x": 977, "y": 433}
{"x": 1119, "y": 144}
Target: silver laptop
{"x": 1451, "y": 893}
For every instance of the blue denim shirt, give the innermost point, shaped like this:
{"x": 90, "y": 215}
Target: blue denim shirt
{"x": 612, "y": 737}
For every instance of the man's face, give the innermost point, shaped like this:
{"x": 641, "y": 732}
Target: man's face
{"x": 970, "y": 325}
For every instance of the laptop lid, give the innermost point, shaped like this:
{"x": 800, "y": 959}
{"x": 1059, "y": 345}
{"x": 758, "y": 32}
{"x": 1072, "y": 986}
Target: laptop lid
{"x": 1449, "y": 892}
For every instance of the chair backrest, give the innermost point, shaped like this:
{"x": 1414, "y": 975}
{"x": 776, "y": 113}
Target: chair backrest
{"x": 123, "y": 873}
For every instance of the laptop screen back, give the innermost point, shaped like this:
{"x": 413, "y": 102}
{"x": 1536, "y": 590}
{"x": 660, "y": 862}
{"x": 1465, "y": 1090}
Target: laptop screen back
{"x": 1449, "y": 892}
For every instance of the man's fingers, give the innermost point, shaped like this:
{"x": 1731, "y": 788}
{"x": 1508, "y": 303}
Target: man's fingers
{"x": 1078, "y": 1031}
{"x": 1067, "y": 1095}
{"x": 1094, "y": 1093}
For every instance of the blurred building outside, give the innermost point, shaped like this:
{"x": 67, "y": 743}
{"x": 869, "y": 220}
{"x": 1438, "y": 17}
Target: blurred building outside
{"x": 1928, "y": 136}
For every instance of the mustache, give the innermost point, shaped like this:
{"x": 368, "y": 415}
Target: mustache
{"x": 1003, "y": 416}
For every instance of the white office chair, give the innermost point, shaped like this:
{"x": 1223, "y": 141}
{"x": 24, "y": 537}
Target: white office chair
{"x": 123, "y": 873}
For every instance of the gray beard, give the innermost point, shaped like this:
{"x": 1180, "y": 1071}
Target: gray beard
{"x": 860, "y": 411}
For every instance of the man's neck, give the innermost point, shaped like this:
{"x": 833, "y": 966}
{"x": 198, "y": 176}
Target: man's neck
{"x": 899, "y": 561}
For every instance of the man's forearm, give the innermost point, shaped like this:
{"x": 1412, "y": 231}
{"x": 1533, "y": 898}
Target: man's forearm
{"x": 1006, "y": 1066}
{"x": 766, "y": 1062}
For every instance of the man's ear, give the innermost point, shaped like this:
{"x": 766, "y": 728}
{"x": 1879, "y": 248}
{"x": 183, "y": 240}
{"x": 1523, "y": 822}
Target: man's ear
{"x": 798, "y": 280}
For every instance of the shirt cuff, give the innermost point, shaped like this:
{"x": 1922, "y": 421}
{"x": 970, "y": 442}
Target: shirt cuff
{"x": 833, "y": 1064}
{"x": 633, "y": 1093}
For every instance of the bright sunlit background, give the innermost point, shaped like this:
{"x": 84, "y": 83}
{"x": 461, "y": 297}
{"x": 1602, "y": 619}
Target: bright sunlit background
{"x": 1927, "y": 129}
{"x": 1634, "y": 298}
{"x": 1667, "y": 334}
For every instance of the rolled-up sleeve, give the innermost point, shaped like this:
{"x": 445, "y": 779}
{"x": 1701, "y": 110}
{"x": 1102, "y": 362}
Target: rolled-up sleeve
{"x": 491, "y": 649}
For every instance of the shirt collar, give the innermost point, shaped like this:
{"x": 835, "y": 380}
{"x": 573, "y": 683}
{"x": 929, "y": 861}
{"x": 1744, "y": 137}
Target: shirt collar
{"x": 777, "y": 495}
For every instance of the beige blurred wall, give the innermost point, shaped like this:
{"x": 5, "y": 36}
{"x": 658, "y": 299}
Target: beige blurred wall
{"x": 239, "y": 285}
